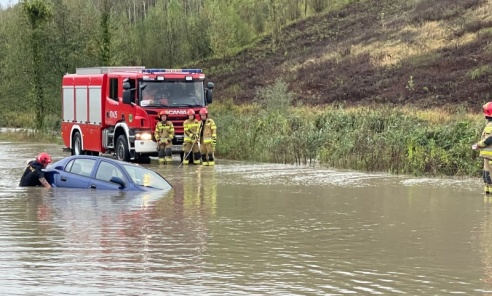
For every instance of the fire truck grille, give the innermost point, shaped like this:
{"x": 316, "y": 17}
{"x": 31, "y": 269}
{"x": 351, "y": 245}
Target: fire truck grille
{"x": 177, "y": 120}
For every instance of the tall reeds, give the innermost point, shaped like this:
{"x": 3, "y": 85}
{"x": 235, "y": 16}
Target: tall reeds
{"x": 378, "y": 138}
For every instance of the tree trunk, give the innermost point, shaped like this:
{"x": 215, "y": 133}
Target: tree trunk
{"x": 105, "y": 54}
{"x": 38, "y": 85}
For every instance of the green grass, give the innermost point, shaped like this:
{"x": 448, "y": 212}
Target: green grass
{"x": 26, "y": 120}
{"x": 25, "y": 135}
{"x": 484, "y": 70}
{"x": 385, "y": 139}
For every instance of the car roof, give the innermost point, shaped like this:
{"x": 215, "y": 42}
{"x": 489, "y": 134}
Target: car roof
{"x": 99, "y": 157}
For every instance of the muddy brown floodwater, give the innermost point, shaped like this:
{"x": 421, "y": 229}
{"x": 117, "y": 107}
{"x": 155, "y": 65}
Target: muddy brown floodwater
{"x": 245, "y": 229}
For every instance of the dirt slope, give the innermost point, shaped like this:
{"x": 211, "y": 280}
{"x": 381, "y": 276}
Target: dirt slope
{"x": 418, "y": 52}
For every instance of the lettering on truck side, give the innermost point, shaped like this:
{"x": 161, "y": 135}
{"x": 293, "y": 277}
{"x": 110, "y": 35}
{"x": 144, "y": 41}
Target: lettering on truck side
{"x": 113, "y": 114}
{"x": 176, "y": 112}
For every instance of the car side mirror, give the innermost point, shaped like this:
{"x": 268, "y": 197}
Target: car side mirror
{"x": 118, "y": 181}
{"x": 208, "y": 95}
{"x": 209, "y": 92}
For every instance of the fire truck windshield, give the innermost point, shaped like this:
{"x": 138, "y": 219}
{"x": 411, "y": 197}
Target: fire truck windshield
{"x": 171, "y": 94}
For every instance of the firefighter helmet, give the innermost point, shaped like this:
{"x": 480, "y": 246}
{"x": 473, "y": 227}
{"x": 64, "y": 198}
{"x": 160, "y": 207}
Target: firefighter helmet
{"x": 203, "y": 111}
{"x": 43, "y": 158}
{"x": 487, "y": 109}
{"x": 190, "y": 112}
{"x": 162, "y": 113}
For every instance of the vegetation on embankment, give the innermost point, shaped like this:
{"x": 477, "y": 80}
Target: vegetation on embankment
{"x": 401, "y": 140}
{"x": 424, "y": 53}
{"x": 23, "y": 135}
{"x": 20, "y": 127}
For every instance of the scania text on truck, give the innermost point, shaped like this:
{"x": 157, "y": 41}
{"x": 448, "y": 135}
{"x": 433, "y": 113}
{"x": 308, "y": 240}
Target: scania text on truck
{"x": 114, "y": 110}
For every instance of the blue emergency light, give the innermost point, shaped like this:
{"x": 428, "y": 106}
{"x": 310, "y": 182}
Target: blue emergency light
{"x": 154, "y": 71}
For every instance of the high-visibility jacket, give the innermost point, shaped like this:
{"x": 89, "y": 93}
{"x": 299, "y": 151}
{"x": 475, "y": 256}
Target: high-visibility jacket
{"x": 485, "y": 142}
{"x": 191, "y": 127}
{"x": 164, "y": 130}
{"x": 209, "y": 131}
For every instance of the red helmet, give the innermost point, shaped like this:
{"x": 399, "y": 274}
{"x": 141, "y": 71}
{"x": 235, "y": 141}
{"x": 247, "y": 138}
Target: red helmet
{"x": 43, "y": 158}
{"x": 203, "y": 111}
{"x": 162, "y": 113}
{"x": 190, "y": 112}
{"x": 487, "y": 109}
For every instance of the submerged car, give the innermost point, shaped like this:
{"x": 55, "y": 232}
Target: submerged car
{"x": 84, "y": 171}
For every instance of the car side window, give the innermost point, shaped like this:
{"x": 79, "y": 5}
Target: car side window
{"x": 80, "y": 166}
{"x": 107, "y": 170}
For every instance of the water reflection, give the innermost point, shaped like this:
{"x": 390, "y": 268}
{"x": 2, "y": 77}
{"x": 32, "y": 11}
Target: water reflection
{"x": 190, "y": 208}
{"x": 89, "y": 218}
{"x": 195, "y": 195}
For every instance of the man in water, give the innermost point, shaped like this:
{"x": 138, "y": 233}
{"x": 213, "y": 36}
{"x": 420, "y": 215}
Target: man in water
{"x": 33, "y": 175}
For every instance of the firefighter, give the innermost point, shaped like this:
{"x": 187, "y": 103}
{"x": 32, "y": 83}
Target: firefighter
{"x": 191, "y": 135}
{"x": 485, "y": 147}
{"x": 164, "y": 134}
{"x": 33, "y": 175}
{"x": 208, "y": 138}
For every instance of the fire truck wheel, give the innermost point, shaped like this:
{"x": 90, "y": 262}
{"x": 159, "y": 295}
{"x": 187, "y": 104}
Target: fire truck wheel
{"x": 77, "y": 144}
{"x": 122, "y": 152}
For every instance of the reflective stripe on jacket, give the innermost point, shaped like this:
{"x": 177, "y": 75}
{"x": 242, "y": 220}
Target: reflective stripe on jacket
{"x": 486, "y": 151}
{"x": 164, "y": 130}
{"x": 190, "y": 127}
{"x": 209, "y": 131}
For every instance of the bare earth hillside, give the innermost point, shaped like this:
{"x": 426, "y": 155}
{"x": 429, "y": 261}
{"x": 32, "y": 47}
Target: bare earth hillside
{"x": 429, "y": 53}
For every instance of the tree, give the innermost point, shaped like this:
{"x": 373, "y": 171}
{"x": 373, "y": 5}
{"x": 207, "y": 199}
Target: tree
{"x": 37, "y": 13}
{"x": 105, "y": 51}
{"x": 294, "y": 10}
{"x": 318, "y": 5}
{"x": 228, "y": 31}
{"x": 277, "y": 10}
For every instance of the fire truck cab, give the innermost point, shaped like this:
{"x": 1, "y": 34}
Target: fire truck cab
{"x": 114, "y": 110}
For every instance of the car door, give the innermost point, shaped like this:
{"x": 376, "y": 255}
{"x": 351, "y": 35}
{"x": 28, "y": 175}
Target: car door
{"x": 105, "y": 171}
{"x": 76, "y": 174}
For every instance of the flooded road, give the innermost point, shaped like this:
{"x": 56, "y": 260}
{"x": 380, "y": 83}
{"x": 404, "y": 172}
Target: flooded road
{"x": 245, "y": 229}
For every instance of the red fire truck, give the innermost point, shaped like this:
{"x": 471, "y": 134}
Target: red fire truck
{"x": 114, "y": 110}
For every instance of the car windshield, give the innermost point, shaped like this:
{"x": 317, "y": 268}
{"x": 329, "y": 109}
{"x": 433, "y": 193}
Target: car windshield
{"x": 172, "y": 94}
{"x": 145, "y": 177}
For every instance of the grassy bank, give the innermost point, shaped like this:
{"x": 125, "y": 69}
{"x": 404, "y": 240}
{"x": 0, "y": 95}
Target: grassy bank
{"x": 402, "y": 141}
{"x": 21, "y": 128}
{"x": 399, "y": 52}
{"x": 26, "y": 135}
